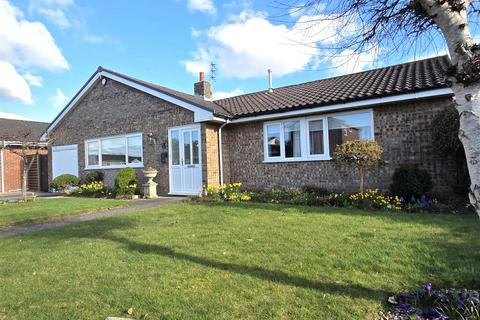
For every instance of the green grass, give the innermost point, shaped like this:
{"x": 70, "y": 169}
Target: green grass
{"x": 21, "y": 213}
{"x": 241, "y": 261}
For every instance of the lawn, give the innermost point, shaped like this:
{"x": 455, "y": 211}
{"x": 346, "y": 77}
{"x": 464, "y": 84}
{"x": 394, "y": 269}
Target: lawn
{"x": 238, "y": 261}
{"x": 20, "y": 213}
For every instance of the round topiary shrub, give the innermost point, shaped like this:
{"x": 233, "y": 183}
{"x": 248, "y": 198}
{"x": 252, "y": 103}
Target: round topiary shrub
{"x": 94, "y": 176}
{"x": 410, "y": 180}
{"x": 360, "y": 155}
{"x": 64, "y": 182}
{"x": 126, "y": 182}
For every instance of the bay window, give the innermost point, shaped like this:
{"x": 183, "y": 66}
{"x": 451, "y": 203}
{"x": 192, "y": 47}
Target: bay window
{"x": 114, "y": 152}
{"x": 315, "y": 137}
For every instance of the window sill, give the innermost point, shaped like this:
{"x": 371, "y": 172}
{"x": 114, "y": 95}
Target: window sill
{"x": 139, "y": 165}
{"x": 283, "y": 160}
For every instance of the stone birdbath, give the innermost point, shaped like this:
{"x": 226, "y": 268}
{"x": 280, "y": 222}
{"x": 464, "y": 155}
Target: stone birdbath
{"x": 150, "y": 187}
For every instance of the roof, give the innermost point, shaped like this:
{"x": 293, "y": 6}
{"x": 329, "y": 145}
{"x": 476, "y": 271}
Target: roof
{"x": 202, "y": 103}
{"x": 21, "y": 130}
{"x": 410, "y": 77}
{"x": 403, "y": 78}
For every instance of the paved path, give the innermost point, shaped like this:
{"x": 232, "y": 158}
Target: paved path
{"x": 135, "y": 206}
{"x": 17, "y": 195}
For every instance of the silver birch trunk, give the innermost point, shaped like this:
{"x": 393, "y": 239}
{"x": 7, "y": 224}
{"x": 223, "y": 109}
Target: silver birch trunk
{"x": 454, "y": 27}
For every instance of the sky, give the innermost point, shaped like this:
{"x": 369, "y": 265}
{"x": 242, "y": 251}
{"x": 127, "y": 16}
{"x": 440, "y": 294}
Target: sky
{"x": 49, "y": 48}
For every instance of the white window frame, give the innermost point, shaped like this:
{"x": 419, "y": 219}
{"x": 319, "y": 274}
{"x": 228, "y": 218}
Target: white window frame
{"x": 305, "y": 137}
{"x": 99, "y": 141}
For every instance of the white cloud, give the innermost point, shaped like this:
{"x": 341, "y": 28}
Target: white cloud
{"x": 27, "y": 44}
{"x": 201, "y": 62}
{"x": 205, "y": 6}
{"x": 13, "y": 85}
{"x": 13, "y": 116}
{"x": 248, "y": 44}
{"x": 33, "y": 80}
{"x": 227, "y": 94}
{"x": 24, "y": 45}
{"x": 195, "y": 32}
{"x": 349, "y": 61}
{"x": 59, "y": 99}
{"x": 56, "y": 16}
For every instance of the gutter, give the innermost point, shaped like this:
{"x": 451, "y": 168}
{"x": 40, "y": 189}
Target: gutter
{"x": 220, "y": 149}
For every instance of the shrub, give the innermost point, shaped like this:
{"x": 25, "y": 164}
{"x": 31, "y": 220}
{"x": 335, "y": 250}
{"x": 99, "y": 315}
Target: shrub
{"x": 410, "y": 181}
{"x": 445, "y": 131}
{"x": 126, "y": 182}
{"x": 94, "y": 189}
{"x": 64, "y": 182}
{"x": 360, "y": 154}
{"x": 445, "y": 138}
{"x": 94, "y": 176}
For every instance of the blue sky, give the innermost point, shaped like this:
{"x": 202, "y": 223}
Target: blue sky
{"x": 49, "y": 48}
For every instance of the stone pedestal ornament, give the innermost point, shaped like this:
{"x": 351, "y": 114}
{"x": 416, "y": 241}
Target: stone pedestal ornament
{"x": 150, "y": 187}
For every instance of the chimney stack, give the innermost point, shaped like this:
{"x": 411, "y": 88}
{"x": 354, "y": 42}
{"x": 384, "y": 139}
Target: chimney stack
{"x": 203, "y": 89}
{"x": 270, "y": 86}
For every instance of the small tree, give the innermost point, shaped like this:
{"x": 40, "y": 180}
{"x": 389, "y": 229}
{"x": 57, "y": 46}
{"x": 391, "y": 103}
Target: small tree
{"x": 359, "y": 154}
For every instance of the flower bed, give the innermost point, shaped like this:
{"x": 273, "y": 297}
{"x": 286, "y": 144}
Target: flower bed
{"x": 429, "y": 304}
{"x": 372, "y": 199}
{"x": 227, "y": 192}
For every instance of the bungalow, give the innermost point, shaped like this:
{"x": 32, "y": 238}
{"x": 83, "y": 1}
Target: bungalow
{"x": 14, "y": 134}
{"x": 279, "y": 137}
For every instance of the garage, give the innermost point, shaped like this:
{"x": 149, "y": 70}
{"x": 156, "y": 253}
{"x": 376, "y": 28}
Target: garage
{"x": 64, "y": 160}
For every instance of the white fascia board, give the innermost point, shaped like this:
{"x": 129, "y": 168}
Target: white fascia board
{"x": 71, "y": 104}
{"x": 350, "y": 105}
{"x": 200, "y": 114}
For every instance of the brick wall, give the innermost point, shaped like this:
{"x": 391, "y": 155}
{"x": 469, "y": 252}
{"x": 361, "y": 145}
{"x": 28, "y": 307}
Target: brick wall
{"x": 12, "y": 169}
{"x": 116, "y": 109}
{"x": 403, "y": 130}
{"x": 211, "y": 162}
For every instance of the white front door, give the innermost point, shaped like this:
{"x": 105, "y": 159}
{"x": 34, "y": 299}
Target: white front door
{"x": 185, "y": 160}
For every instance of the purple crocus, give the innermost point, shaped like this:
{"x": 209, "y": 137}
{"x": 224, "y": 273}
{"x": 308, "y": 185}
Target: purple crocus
{"x": 429, "y": 287}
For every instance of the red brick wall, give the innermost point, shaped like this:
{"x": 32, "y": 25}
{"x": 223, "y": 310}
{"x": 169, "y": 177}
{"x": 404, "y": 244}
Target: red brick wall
{"x": 12, "y": 170}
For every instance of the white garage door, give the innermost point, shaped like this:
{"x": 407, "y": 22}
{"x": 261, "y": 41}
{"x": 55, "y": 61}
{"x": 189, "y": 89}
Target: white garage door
{"x": 65, "y": 160}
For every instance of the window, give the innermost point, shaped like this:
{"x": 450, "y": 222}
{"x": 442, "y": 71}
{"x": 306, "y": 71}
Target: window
{"x": 93, "y": 151}
{"x": 348, "y": 127}
{"x": 134, "y": 152}
{"x": 186, "y": 147}
{"x": 195, "y": 148}
{"x": 273, "y": 140}
{"x": 291, "y": 133}
{"x": 314, "y": 138}
{"x": 114, "y": 152}
{"x": 175, "y": 135}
